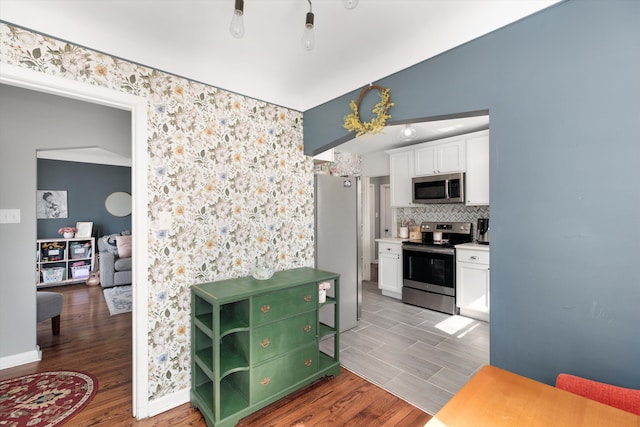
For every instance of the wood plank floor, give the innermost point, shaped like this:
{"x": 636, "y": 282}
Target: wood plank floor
{"x": 93, "y": 341}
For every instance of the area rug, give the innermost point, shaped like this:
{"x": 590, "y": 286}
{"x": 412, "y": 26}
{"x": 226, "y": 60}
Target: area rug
{"x": 118, "y": 299}
{"x": 46, "y": 399}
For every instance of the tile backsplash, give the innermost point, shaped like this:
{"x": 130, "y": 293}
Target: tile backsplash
{"x": 442, "y": 212}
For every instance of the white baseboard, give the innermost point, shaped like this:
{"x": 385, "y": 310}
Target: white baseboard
{"x": 20, "y": 358}
{"x": 168, "y": 402}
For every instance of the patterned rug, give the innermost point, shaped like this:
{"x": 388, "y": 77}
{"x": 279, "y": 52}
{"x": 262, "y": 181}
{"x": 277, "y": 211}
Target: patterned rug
{"x": 46, "y": 399}
{"x": 118, "y": 299}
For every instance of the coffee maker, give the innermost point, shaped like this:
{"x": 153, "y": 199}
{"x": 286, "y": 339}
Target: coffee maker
{"x": 483, "y": 231}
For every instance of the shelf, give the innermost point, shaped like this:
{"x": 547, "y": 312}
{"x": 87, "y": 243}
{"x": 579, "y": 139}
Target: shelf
{"x": 203, "y": 313}
{"x": 67, "y": 253}
{"x": 203, "y": 347}
{"x": 330, "y": 300}
{"x": 234, "y": 317}
{"x": 325, "y": 330}
{"x": 232, "y": 400}
{"x": 234, "y": 353}
{"x": 203, "y": 388}
{"x": 326, "y": 362}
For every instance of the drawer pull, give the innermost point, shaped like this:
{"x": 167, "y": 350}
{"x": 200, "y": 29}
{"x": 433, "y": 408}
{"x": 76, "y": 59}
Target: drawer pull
{"x": 473, "y": 257}
{"x": 265, "y": 343}
{"x": 265, "y": 308}
{"x": 307, "y": 298}
{"x": 308, "y": 362}
{"x": 265, "y": 380}
{"x": 307, "y": 328}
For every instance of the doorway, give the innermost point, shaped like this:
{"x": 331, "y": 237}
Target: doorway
{"x": 28, "y": 79}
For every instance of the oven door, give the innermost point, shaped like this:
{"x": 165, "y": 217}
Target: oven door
{"x": 429, "y": 269}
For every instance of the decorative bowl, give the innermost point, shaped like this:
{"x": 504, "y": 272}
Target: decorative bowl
{"x": 261, "y": 272}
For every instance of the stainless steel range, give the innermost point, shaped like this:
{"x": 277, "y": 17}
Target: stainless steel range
{"x": 429, "y": 265}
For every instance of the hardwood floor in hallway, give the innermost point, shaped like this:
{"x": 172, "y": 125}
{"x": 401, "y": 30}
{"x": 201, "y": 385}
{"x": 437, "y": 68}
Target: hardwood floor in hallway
{"x": 420, "y": 355}
{"x": 92, "y": 340}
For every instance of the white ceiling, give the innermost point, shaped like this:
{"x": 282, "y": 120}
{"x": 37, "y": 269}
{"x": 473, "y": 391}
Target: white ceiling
{"x": 191, "y": 38}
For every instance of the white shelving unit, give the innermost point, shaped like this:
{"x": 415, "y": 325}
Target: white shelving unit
{"x": 64, "y": 261}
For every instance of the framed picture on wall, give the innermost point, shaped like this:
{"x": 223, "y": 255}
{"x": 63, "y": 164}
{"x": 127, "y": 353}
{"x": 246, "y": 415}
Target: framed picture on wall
{"x": 51, "y": 204}
{"x": 84, "y": 230}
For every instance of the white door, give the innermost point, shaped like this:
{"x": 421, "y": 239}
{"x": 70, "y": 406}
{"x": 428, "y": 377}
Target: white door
{"x": 385, "y": 211}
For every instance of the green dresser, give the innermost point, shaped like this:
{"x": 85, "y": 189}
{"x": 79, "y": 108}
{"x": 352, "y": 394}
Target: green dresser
{"x": 255, "y": 341}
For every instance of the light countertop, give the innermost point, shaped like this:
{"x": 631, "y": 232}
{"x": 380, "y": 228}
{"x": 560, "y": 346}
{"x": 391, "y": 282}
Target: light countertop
{"x": 397, "y": 240}
{"x": 475, "y": 246}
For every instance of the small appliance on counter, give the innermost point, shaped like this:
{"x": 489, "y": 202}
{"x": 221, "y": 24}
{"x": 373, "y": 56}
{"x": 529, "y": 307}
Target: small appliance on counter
{"x": 483, "y": 231}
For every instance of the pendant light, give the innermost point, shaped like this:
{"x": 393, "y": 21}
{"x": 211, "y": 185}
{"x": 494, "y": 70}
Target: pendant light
{"x": 237, "y": 22}
{"x": 308, "y": 37}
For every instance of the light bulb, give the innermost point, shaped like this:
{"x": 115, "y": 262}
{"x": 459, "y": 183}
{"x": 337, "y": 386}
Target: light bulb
{"x": 237, "y": 23}
{"x": 308, "y": 37}
{"x": 408, "y": 132}
{"x": 350, "y": 4}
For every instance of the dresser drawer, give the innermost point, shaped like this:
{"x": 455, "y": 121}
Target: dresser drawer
{"x": 280, "y": 304}
{"x": 472, "y": 256}
{"x": 278, "y": 374}
{"x": 276, "y": 338}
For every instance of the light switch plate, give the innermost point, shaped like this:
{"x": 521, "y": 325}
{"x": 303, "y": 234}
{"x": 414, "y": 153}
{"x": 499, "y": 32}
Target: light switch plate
{"x": 9, "y": 216}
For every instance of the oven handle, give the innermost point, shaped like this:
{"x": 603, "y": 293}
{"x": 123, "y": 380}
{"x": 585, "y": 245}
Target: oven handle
{"x": 430, "y": 249}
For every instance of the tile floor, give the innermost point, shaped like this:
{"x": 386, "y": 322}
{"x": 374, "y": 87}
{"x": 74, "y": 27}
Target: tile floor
{"x": 420, "y": 355}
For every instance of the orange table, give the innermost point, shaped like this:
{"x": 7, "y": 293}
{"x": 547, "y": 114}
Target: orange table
{"x": 495, "y": 397}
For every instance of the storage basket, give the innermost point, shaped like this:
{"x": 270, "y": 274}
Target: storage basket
{"x": 54, "y": 274}
{"x": 80, "y": 272}
{"x": 79, "y": 251}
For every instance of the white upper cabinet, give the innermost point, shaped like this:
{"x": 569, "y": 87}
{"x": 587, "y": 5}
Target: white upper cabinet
{"x": 401, "y": 172}
{"x": 465, "y": 153}
{"x": 441, "y": 158}
{"x": 477, "y": 178}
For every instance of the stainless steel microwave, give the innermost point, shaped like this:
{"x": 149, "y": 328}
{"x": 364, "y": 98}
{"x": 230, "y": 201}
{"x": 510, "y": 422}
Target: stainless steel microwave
{"x": 447, "y": 188}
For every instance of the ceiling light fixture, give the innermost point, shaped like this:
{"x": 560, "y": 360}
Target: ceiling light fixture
{"x": 408, "y": 132}
{"x": 350, "y": 4}
{"x": 237, "y": 23}
{"x": 308, "y": 37}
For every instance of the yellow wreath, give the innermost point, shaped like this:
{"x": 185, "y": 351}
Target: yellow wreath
{"x": 352, "y": 121}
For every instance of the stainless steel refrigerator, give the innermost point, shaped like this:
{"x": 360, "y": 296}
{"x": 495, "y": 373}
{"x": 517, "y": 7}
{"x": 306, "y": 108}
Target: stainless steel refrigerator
{"x": 337, "y": 220}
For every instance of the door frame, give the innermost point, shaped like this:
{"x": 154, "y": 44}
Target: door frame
{"x": 385, "y": 210}
{"x": 33, "y": 80}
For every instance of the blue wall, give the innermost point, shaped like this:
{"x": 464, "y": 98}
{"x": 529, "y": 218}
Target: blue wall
{"x": 87, "y": 186}
{"x": 563, "y": 91}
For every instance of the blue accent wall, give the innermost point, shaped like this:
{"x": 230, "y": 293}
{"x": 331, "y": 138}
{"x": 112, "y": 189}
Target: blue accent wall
{"x": 563, "y": 91}
{"x": 87, "y": 186}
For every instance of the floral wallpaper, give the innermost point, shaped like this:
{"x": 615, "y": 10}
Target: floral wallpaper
{"x": 230, "y": 170}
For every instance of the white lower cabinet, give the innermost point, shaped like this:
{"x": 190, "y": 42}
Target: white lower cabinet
{"x": 472, "y": 282}
{"x": 390, "y": 269}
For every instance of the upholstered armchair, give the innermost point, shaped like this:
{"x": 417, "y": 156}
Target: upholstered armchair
{"x": 115, "y": 260}
{"x": 626, "y": 399}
